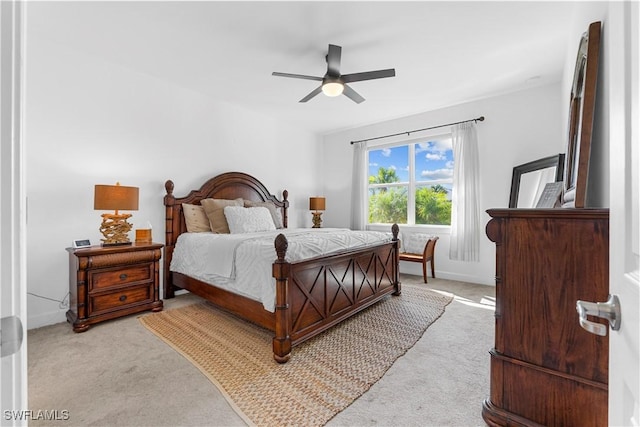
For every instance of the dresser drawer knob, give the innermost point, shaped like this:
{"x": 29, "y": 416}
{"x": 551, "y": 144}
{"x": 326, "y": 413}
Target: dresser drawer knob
{"x": 123, "y": 298}
{"x": 123, "y": 276}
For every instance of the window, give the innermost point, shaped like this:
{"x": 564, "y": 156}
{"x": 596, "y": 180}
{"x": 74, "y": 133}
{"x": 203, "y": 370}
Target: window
{"x": 411, "y": 183}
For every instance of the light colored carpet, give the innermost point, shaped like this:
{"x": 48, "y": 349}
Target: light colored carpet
{"x": 119, "y": 374}
{"x": 324, "y": 375}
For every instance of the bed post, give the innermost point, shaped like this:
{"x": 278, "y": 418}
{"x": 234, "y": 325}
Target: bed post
{"x": 285, "y": 215}
{"x": 396, "y": 262}
{"x": 282, "y": 338}
{"x": 169, "y": 201}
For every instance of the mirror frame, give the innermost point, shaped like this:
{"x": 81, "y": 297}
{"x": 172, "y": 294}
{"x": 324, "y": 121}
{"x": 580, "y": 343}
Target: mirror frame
{"x": 546, "y": 162}
{"x": 581, "y": 113}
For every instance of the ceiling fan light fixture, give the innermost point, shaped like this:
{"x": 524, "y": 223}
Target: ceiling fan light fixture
{"x": 332, "y": 88}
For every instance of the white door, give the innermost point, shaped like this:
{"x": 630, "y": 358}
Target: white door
{"x": 624, "y": 355}
{"x": 13, "y": 359}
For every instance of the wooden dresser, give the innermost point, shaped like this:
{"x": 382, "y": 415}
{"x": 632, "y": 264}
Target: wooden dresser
{"x": 545, "y": 369}
{"x": 110, "y": 282}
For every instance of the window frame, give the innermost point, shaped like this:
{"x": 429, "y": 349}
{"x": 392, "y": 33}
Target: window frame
{"x": 412, "y": 183}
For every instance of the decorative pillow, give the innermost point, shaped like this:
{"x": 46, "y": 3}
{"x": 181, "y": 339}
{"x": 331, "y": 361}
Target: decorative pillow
{"x": 248, "y": 220}
{"x": 214, "y": 208}
{"x": 414, "y": 243}
{"x": 276, "y": 213}
{"x": 195, "y": 218}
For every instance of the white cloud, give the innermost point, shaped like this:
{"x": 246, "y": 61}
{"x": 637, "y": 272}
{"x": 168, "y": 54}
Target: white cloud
{"x": 435, "y": 156}
{"x": 386, "y": 152}
{"x": 438, "y": 175}
{"x": 435, "y": 146}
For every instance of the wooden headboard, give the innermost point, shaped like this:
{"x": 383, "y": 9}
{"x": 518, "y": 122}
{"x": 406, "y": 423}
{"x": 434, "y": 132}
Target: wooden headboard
{"x": 230, "y": 185}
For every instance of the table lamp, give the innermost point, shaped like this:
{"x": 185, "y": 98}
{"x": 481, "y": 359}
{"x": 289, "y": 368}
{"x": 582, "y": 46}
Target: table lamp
{"x": 117, "y": 197}
{"x": 317, "y": 204}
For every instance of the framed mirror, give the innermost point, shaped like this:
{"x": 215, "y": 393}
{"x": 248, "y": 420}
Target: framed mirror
{"x": 581, "y": 112}
{"x": 529, "y": 180}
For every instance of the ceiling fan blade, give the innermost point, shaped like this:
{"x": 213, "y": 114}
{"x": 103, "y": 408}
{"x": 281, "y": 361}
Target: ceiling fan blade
{"x": 352, "y": 94}
{"x": 333, "y": 60}
{"x": 368, "y": 75}
{"x": 312, "y": 94}
{"x": 297, "y": 76}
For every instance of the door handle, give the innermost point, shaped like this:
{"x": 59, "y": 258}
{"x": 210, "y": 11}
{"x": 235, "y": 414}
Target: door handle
{"x": 11, "y": 332}
{"x": 609, "y": 310}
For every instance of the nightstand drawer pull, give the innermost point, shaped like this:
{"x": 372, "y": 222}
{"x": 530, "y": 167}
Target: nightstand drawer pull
{"x": 123, "y": 276}
{"x": 123, "y": 297}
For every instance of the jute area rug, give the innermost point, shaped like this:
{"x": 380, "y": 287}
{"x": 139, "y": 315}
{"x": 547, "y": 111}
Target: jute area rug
{"x": 324, "y": 375}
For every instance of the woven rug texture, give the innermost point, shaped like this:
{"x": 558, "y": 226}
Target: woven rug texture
{"x": 324, "y": 375}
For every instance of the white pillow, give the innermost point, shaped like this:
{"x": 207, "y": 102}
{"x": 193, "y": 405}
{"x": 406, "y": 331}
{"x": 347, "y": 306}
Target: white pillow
{"x": 276, "y": 213}
{"x": 248, "y": 220}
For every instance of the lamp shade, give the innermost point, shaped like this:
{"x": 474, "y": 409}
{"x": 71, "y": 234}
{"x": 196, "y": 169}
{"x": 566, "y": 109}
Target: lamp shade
{"x": 115, "y": 197}
{"x": 316, "y": 203}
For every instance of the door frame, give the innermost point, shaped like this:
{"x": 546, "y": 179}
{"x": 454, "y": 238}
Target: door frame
{"x": 624, "y": 274}
{"x": 13, "y": 367}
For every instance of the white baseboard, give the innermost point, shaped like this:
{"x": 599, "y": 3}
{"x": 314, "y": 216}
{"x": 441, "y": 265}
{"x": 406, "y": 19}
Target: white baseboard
{"x": 46, "y": 319}
{"x": 416, "y": 269}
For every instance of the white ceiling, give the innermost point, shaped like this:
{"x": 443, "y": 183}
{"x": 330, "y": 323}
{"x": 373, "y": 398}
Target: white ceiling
{"x": 444, "y": 53}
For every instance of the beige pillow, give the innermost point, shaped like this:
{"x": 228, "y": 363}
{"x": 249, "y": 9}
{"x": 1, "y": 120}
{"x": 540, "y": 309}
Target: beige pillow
{"x": 273, "y": 210}
{"x": 195, "y": 218}
{"x": 214, "y": 208}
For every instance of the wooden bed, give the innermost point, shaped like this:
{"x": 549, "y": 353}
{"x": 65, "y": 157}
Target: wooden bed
{"x": 311, "y": 295}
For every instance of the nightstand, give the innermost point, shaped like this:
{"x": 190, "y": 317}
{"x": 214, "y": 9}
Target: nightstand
{"x": 112, "y": 281}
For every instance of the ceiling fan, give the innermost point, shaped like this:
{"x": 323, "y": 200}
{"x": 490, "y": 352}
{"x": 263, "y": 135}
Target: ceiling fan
{"x": 334, "y": 83}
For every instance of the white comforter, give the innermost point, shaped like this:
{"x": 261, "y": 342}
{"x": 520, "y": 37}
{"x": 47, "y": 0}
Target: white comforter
{"x": 241, "y": 263}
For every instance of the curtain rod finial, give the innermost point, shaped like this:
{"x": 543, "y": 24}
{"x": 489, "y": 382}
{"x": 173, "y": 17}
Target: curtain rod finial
{"x": 480, "y": 119}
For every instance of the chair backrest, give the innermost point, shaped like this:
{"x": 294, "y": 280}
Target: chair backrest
{"x": 419, "y": 244}
{"x": 430, "y": 247}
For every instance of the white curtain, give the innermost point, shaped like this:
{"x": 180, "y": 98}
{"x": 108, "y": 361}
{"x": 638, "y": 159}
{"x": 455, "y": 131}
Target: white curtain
{"x": 359, "y": 186}
{"x": 465, "y": 213}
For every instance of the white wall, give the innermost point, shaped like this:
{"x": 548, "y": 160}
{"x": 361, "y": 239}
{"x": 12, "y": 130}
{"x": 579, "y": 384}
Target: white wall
{"x": 90, "y": 122}
{"x": 519, "y": 127}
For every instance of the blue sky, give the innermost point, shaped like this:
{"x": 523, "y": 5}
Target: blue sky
{"x": 434, "y": 161}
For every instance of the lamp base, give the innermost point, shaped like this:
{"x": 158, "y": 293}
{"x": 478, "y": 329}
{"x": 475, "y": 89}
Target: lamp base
{"x": 114, "y": 228}
{"x": 317, "y": 220}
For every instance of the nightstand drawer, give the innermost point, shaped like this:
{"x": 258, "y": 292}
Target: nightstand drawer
{"x": 101, "y": 279}
{"x": 117, "y": 300}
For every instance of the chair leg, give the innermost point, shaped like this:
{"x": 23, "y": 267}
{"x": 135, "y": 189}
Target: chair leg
{"x": 433, "y": 269}
{"x": 424, "y": 271}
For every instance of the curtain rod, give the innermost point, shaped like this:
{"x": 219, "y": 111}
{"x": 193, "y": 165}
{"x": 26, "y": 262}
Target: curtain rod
{"x": 479, "y": 119}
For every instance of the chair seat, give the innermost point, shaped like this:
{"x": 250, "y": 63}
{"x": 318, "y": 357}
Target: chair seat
{"x": 405, "y": 256}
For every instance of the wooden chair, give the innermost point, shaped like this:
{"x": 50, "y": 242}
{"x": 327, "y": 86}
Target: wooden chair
{"x": 427, "y": 255}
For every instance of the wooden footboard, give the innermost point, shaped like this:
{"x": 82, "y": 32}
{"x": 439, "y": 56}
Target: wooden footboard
{"x": 315, "y": 294}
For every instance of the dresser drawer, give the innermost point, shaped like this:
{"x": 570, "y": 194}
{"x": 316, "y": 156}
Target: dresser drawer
{"x": 106, "y": 278}
{"x": 105, "y": 302}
